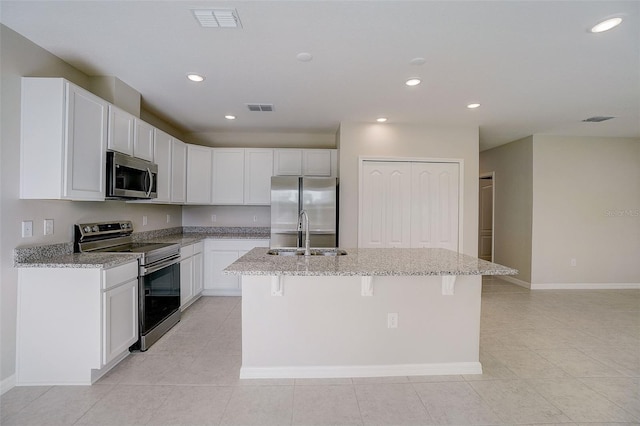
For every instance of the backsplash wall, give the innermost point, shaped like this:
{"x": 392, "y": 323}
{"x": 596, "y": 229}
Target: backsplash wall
{"x": 245, "y": 216}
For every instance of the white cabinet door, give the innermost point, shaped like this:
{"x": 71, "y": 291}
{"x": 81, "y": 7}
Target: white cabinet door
{"x": 434, "y": 205}
{"x": 178, "y": 171}
{"x": 84, "y": 168}
{"x": 121, "y": 130}
{"x": 258, "y": 169}
{"x": 198, "y": 273}
{"x": 385, "y": 215}
{"x": 162, "y": 157}
{"x": 228, "y": 176}
{"x": 316, "y": 162}
{"x": 199, "y": 174}
{"x": 287, "y": 162}
{"x": 143, "y": 140}
{"x": 220, "y": 259}
{"x": 186, "y": 281}
{"x": 120, "y": 319}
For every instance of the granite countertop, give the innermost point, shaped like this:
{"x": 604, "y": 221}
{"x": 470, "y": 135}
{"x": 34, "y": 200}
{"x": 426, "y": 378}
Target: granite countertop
{"x": 61, "y": 255}
{"x": 367, "y": 262}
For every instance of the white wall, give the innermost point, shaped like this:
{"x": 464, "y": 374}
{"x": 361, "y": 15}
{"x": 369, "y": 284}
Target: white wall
{"x": 513, "y": 186}
{"x": 226, "y": 216}
{"x": 586, "y": 206}
{"x": 19, "y": 57}
{"x": 406, "y": 140}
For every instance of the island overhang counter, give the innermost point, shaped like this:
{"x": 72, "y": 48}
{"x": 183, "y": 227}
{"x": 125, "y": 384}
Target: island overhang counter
{"x": 370, "y": 313}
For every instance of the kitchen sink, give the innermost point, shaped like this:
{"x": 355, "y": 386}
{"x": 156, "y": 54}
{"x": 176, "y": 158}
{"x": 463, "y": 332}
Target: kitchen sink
{"x": 313, "y": 252}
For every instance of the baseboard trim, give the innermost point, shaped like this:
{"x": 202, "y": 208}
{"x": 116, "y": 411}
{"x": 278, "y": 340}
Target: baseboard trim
{"x": 586, "y": 286}
{"x": 515, "y": 281}
{"x": 340, "y": 371}
{"x": 222, "y": 292}
{"x": 7, "y": 384}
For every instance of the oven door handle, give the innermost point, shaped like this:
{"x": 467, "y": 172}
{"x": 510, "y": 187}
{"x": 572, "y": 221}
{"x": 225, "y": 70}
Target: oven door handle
{"x": 157, "y": 266}
{"x": 150, "y": 182}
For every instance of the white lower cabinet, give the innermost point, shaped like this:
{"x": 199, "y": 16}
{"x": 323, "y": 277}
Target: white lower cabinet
{"x": 74, "y": 324}
{"x": 191, "y": 274}
{"x": 120, "y": 319}
{"x": 218, "y": 255}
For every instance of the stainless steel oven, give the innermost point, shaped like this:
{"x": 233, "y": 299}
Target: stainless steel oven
{"x": 158, "y": 277}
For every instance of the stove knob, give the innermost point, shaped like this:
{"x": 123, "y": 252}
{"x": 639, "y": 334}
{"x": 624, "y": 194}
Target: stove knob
{"x": 95, "y": 228}
{"x": 87, "y": 229}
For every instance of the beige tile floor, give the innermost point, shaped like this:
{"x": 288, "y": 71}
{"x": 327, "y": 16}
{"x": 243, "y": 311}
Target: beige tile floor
{"x": 549, "y": 357}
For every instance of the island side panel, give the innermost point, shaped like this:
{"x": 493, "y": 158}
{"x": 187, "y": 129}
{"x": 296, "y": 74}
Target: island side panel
{"x": 324, "y": 327}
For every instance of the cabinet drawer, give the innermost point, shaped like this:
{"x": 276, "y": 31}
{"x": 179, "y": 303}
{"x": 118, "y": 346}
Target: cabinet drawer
{"x": 186, "y": 252}
{"x": 119, "y": 274}
{"x": 198, "y": 247}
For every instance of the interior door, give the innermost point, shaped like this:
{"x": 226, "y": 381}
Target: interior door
{"x": 485, "y": 221}
{"x": 385, "y": 216}
{"x": 434, "y": 205}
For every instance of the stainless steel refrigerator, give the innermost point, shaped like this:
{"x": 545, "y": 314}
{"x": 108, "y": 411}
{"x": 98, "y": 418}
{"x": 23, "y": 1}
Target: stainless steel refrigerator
{"x": 318, "y": 197}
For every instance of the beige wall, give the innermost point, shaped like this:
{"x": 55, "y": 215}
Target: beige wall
{"x": 513, "y": 185}
{"x": 19, "y": 57}
{"x": 406, "y": 140}
{"x": 586, "y": 206}
{"x": 227, "y": 216}
{"x": 264, "y": 139}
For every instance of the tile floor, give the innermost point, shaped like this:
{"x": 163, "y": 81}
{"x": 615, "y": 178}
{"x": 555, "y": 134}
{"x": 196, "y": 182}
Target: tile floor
{"x": 549, "y": 357}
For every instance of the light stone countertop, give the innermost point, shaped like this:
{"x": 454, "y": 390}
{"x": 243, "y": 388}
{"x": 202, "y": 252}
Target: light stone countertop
{"x": 62, "y": 256}
{"x": 367, "y": 262}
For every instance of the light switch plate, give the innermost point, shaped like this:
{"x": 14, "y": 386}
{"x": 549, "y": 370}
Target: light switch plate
{"x": 27, "y": 228}
{"x": 48, "y": 227}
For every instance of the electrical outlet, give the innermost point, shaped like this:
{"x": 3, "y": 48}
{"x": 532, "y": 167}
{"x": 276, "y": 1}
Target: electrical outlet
{"x": 213, "y": 218}
{"x": 574, "y": 262}
{"x": 392, "y": 320}
{"x": 168, "y": 218}
{"x": 144, "y": 221}
{"x": 27, "y": 228}
{"x": 255, "y": 218}
{"x": 48, "y": 227}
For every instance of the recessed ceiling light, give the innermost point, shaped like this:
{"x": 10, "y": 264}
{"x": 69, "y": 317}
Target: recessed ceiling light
{"x": 606, "y": 25}
{"x": 195, "y": 77}
{"x": 473, "y": 106}
{"x": 381, "y": 119}
{"x": 230, "y": 117}
{"x": 304, "y": 57}
{"x": 417, "y": 61}
{"x": 412, "y": 82}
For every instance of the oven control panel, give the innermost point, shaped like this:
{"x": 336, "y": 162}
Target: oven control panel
{"x": 105, "y": 228}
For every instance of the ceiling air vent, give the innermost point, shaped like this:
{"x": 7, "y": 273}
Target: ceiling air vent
{"x": 596, "y": 119}
{"x": 260, "y": 107}
{"x": 217, "y": 18}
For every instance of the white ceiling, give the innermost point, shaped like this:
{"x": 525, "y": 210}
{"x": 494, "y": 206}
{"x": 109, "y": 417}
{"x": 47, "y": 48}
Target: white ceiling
{"x": 533, "y": 65}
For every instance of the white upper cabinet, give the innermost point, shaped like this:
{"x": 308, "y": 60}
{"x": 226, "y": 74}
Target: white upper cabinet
{"x": 121, "y": 130}
{"x": 287, "y": 162}
{"x": 178, "y": 171}
{"x": 143, "y": 140}
{"x": 305, "y": 162}
{"x": 316, "y": 162}
{"x": 162, "y": 157}
{"x": 258, "y": 169}
{"x": 199, "y": 174}
{"x": 63, "y": 141}
{"x": 228, "y": 176}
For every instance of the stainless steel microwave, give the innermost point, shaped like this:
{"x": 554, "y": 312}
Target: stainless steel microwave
{"x": 130, "y": 178}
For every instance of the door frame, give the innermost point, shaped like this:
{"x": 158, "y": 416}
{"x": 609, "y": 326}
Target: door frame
{"x": 459, "y": 161}
{"x": 492, "y": 175}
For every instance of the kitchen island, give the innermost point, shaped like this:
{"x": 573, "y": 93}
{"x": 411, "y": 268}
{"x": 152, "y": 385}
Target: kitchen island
{"x": 371, "y": 312}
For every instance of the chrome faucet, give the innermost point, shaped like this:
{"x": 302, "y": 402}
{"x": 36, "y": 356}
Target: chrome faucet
{"x": 303, "y": 215}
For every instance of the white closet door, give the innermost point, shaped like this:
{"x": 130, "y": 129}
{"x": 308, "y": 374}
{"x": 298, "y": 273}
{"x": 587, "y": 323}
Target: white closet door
{"x": 434, "y": 207}
{"x": 386, "y": 204}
